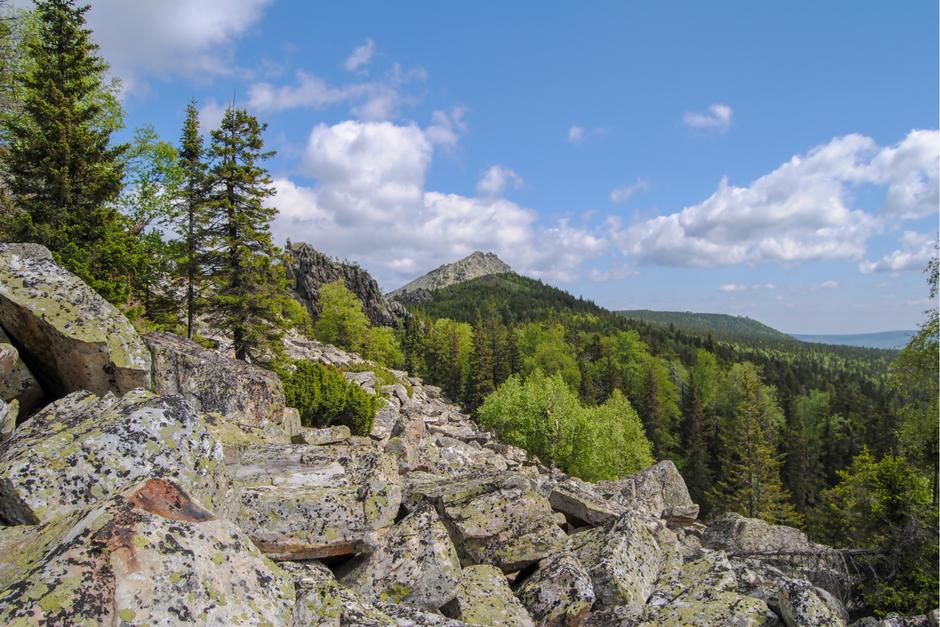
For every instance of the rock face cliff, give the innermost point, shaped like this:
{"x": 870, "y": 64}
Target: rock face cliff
{"x": 182, "y": 505}
{"x": 308, "y": 269}
{"x": 471, "y": 267}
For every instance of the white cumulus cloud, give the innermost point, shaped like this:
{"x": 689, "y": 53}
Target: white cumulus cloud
{"x": 915, "y": 251}
{"x": 495, "y": 180}
{"x": 624, "y": 193}
{"x": 717, "y": 117}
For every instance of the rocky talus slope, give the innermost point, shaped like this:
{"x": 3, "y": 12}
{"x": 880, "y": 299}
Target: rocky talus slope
{"x": 197, "y": 498}
{"x": 308, "y": 270}
{"x": 473, "y": 266}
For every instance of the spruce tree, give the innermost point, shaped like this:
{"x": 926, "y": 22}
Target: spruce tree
{"x": 248, "y": 291}
{"x": 64, "y": 175}
{"x": 193, "y": 209}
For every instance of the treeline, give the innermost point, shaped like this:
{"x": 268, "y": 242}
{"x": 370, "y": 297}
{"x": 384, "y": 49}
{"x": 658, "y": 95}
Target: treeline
{"x": 168, "y": 232}
{"x": 840, "y": 442}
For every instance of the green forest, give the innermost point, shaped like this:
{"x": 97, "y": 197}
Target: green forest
{"x": 839, "y": 441}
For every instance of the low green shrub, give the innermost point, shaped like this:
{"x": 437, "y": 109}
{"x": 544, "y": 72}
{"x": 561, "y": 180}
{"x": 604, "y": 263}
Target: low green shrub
{"x": 324, "y": 397}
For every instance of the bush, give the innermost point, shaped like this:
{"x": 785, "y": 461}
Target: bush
{"x": 324, "y": 397}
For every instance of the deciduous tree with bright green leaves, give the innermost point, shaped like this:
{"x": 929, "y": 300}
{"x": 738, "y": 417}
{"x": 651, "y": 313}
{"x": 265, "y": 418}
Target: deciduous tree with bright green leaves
{"x": 341, "y": 320}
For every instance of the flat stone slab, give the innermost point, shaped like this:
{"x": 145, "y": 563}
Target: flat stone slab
{"x": 304, "y": 502}
{"x": 580, "y": 500}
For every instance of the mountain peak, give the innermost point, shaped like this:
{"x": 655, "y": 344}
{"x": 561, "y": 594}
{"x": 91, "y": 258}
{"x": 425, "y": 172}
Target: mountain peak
{"x": 474, "y": 265}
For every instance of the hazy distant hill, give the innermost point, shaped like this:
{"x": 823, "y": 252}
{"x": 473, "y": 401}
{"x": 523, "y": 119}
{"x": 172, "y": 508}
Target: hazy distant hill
{"x": 721, "y": 326}
{"x": 885, "y": 339}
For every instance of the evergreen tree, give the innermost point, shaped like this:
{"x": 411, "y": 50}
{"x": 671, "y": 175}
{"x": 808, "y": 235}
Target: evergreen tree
{"x": 192, "y": 215}
{"x": 248, "y": 295}
{"x": 480, "y": 382}
{"x": 64, "y": 175}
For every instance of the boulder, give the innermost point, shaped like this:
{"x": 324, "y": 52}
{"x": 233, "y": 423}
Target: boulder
{"x": 581, "y": 501}
{"x": 559, "y": 593}
{"x": 658, "y": 491}
{"x": 212, "y": 382}
{"x": 8, "y": 357}
{"x": 81, "y": 341}
{"x": 82, "y": 448}
{"x": 739, "y": 535}
{"x": 414, "y": 564}
{"x": 704, "y": 592}
{"x": 494, "y": 518}
{"x": 149, "y": 555}
{"x": 446, "y": 456}
{"x": 306, "y": 502}
{"x": 8, "y": 413}
{"x": 319, "y": 437}
{"x": 800, "y": 605}
{"x": 622, "y": 558}
{"x": 17, "y": 383}
{"x": 485, "y": 598}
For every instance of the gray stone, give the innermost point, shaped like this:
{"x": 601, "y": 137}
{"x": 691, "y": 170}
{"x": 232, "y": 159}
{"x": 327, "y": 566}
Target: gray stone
{"x": 149, "y": 555}
{"x": 18, "y": 383}
{"x": 8, "y": 413}
{"x": 305, "y": 502}
{"x": 485, "y": 598}
{"x": 212, "y": 382}
{"x": 494, "y": 518}
{"x": 801, "y": 605}
{"x": 559, "y": 593}
{"x": 658, "y": 491}
{"x": 82, "y": 341}
{"x": 414, "y": 564}
{"x": 82, "y": 448}
{"x": 622, "y": 558}
{"x": 319, "y": 437}
{"x": 580, "y": 500}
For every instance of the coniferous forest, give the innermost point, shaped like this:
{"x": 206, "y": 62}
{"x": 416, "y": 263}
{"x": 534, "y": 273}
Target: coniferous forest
{"x": 838, "y": 441}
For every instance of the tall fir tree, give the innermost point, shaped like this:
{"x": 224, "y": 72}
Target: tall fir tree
{"x": 64, "y": 175}
{"x": 193, "y": 214}
{"x": 248, "y": 295}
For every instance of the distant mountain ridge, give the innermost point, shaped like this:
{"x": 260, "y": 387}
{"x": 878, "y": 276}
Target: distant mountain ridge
{"x": 473, "y": 266}
{"x": 722, "y": 326}
{"x": 884, "y": 339}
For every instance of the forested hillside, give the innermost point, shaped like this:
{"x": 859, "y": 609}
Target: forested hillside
{"x": 721, "y": 326}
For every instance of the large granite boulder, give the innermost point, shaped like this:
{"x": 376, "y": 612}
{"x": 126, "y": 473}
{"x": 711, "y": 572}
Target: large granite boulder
{"x": 149, "y": 555}
{"x": 415, "y": 564}
{"x": 622, "y": 558}
{"x": 212, "y": 382}
{"x": 305, "y": 502}
{"x": 740, "y": 535}
{"x": 17, "y": 382}
{"x": 581, "y": 501}
{"x": 80, "y": 340}
{"x": 658, "y": 491}
{"x": 82, "y": 448}
{"x": 485, "y": 598}
{"x": 559, "y": 593}
{"x": 800, "y": 604}
{"x": 494, "y": 518}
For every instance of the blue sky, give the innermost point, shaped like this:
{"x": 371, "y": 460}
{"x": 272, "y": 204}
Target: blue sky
{"x": 778, "y": 160}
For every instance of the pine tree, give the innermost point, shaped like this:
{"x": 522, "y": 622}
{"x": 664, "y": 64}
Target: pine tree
{"x": 480, "y": 381}
{"x": 193, "y": 210}
{"x": 248, "y": 286}
{"x": 64, "y": 175}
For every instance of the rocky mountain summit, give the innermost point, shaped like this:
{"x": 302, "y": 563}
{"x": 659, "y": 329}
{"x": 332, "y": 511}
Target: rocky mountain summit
{"x": 470, "y": 267}
{"x": 152, "y": 481}
{"x": 308, "y": 269}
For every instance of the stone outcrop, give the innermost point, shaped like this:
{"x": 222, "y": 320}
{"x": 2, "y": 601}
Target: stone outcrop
{"x": 658, "y": 491}
{"x": 83, "y": 448}
{"x": 485, "y": 598}
{"x": 308, "y": 270}
{"x": 558, "y": 593}
{"x": 149, "y": 555}
{"x": 80, "y": 341}
{"x": 213, "y": 383}
{"x": 473, "y": 266}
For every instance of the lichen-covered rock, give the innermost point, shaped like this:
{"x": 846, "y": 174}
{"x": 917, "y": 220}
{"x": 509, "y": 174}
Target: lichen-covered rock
{"x": 318, "y": 597}
{"x": 581, "y": 501}
{"x": 485, "y": 598}
{"x": 740, "y": 535}
{"x": 801, "y": 605}
{"x": 559, "y": 593}
{"x": 448, "y": 456}
{"x": 327, "y": 435}
{"x": 82, "y": 341}
{"x": 17, "y": 382}
{"x": 150, "y": 555}
{"x": 8, "y": 413}
{"x": 82, "y": 448}
{"x": 704, "y": 592}
{"x": 622, "y": 558}
{"x": 658, "y": 491}
{"x": 212, "y": 382}
{"x": 414, "y": 564}
{"x": 235, "y": 437}
{"x": 305, "y": 502}
{"x": 494, "y": 518}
